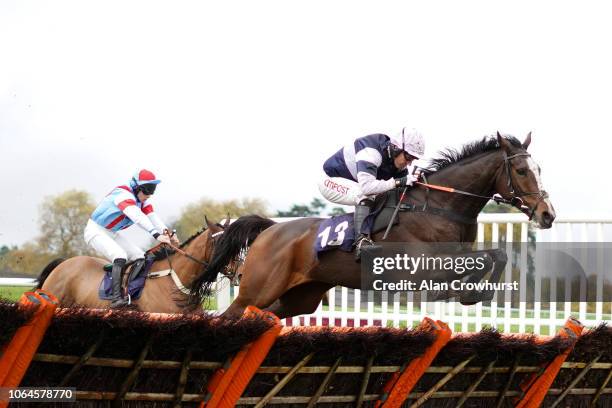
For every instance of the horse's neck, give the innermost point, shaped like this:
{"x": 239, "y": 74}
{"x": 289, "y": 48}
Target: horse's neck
{"x": 475, "y": 175}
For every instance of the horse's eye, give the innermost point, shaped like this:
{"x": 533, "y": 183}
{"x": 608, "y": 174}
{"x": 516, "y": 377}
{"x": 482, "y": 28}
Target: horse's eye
{"x": 521, "y": 172}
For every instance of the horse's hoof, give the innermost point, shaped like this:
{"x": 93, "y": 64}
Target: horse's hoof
{"x": 469, "y": 298}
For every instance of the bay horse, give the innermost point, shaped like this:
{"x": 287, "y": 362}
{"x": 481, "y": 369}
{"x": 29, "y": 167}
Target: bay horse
{"x": 75, "y": 281}
{"x": 283, "y": 274}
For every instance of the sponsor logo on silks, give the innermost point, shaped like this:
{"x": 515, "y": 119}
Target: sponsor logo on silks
{"x": 335, "y": 233}
{"x": 336, "y": 187}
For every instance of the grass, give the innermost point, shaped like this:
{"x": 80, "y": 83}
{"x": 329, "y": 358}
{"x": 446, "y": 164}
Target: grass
{"x": 13, "y": 293}
{"x": 210, "y": 303}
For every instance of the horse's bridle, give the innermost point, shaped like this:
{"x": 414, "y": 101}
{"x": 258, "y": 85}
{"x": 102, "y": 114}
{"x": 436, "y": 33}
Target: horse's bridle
{"x": 515, "y": 199}
{"x": 204, "y": 263}
{"x": 516, "y": 194}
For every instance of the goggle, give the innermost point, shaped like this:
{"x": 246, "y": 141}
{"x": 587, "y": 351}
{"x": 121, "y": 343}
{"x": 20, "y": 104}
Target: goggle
{"x": 148, "y": 189}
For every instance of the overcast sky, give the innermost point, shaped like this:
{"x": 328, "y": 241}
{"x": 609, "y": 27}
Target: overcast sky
{"x": 248, "y": 98}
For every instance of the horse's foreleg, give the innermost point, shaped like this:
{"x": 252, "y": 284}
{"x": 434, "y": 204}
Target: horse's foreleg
{"x": 500, "y": 259}
{"x": 496, "y": 262}
{"x": 264, "y": 280}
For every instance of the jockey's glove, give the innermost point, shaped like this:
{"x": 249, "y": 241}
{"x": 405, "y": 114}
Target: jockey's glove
{"x": 163, "y": 238}
{"x": 407, "y": 180}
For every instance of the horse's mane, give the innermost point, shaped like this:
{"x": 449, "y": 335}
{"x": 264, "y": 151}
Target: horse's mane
{"x": 239, "y": 234}
{"x": 164, "y": 253}
{"x": 451, "y": 156}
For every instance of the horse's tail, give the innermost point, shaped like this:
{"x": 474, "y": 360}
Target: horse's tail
{"x": 47, "y": 271}
{"x": 242, "y": 231}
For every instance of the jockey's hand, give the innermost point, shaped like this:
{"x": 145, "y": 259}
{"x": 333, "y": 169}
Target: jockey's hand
{"x": 405, "y": 181}
{"x": 175, "y": 240}
{"x": 164, "y": 239}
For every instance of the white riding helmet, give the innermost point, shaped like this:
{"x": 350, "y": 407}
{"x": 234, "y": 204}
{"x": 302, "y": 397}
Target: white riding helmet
{"x": 411, "y": 141}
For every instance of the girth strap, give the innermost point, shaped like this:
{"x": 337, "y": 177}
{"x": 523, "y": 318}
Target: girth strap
{"x": 173, "y": 275}
{"x": 450, "y": 215}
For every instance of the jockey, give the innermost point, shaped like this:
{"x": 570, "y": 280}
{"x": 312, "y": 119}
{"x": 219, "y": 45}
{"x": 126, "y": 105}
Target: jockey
{"x": 371, "y": 165}
{"x": 124, "y": 206}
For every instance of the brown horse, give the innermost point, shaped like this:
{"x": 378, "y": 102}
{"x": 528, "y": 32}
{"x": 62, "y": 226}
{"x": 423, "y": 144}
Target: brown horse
{"x": 75, "y": 281}
{"x": 283, "y": 273}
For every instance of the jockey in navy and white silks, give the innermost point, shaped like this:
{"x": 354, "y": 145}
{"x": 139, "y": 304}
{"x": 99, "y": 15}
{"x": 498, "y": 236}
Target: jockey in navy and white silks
{"x": 124, "y": 206}
{"x": 371, "y": 165}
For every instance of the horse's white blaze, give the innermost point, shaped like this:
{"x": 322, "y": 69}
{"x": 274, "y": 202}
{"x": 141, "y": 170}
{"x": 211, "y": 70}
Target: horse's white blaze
{"x": 549, "y": 204}
{"x": 534, "y": 169}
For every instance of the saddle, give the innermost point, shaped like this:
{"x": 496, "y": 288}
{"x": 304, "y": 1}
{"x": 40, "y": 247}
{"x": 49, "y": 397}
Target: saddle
{"x": 134, "y": 279}
{"x": 381, "y": 214}
{"x": 338, "y": 232}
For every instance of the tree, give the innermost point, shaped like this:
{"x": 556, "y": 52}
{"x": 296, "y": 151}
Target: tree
{"x": 337, "y": 211}
{"x": 29, "y": 259}
{"x": 316, "y": 207}
{"x": 303, "y": 210}
{"x": 62, "y": 221}
{"x": 4, "y": 250}
{"x": 192, "y": 216}
{"x": 297, "y": 210}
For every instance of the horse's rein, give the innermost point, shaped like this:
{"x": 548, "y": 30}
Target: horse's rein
{"x": 163, "y": 245}
{"x": 180, "y": 251}
{"x": 457, "y": 191}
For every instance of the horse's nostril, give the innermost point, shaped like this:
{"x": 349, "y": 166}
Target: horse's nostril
{"x": 547, "y": 217}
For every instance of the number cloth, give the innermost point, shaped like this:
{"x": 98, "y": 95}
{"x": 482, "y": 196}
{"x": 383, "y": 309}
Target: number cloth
{"x": 335, "y": 233}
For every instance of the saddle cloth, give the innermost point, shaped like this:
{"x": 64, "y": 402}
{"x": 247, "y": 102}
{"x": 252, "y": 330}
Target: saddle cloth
{"x": 135, "y": 284}
{"x": 338, "y": 232}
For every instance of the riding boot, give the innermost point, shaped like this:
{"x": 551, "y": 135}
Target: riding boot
{"x": 117, "y": 300}
{"x": 361, "y": 213}
{"x": 137, "y": 269}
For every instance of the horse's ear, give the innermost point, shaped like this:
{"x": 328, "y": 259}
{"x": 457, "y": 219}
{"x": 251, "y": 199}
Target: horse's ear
{"x": 503, "y": 143}
{"x": 227, "y": 221}
{"x": 206, "y": 223}
{"x": 527, "y": 141}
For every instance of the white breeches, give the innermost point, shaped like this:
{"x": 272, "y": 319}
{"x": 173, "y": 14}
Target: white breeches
{"x": 343, "y": 191}
{"x": 110, "y": 244}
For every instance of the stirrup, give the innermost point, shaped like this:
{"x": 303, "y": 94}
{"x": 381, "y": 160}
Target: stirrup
{"x": 361, "y": 241}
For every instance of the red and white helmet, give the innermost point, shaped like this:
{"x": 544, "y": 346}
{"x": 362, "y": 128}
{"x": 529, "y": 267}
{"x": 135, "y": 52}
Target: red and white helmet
{"x": 143, "y": 176}
{"x": 411, "y": 141}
